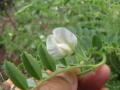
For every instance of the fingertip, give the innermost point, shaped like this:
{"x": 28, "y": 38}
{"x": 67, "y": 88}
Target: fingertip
{"x": 95, "y": 80}
{"x": 104, "y": 70}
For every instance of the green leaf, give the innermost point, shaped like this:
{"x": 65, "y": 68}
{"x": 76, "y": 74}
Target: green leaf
{"x": 97, "y": 42}
{"x": 1, "y": 40}
{"x": 32, "y": 65}
{"x": 16, "y": 76}
{"x": 63, "y": 61}
{"x": 66, "y": 1}
{"x": 113, "y": 59}
{"x": 46, "y": 59}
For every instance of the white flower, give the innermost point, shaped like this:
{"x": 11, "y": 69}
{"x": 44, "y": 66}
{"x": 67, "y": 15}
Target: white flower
{"x": 61, "y": 43}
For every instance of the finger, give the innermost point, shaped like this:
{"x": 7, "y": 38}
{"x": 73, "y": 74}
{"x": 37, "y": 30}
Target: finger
{"x": 95, "y": 80}
{"x": 56, "y": 83}
{"x": 71, "y": 78}
{"x": 67, "y": 81}
{"x": 7, "y": 84}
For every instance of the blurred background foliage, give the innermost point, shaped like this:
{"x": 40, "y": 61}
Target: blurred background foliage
{"x": 27, "y": 21}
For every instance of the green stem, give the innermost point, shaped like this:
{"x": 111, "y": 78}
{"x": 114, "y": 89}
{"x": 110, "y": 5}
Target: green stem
{"x": 23, "y": 9}
{"x": 71, "y": 68}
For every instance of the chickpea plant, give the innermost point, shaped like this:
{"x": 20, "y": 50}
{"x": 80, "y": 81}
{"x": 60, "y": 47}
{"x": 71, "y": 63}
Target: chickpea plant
{"x": 54, "y": 56}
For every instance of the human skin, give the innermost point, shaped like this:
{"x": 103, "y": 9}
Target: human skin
{"x": 70, "y": 81}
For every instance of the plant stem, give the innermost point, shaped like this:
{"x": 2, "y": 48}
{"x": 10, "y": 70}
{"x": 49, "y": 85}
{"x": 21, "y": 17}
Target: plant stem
{"x": 71, "y": 68}
{"x": 23, "y": 9}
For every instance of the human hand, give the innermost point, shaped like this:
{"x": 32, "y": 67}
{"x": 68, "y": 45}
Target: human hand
{"x": 70, "y": 81}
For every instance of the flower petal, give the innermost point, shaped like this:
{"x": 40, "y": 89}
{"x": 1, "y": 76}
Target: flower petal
{"x": 63, "y": 35}
{"x": 65, "y": 49}
{"x": 52, "y": 48}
